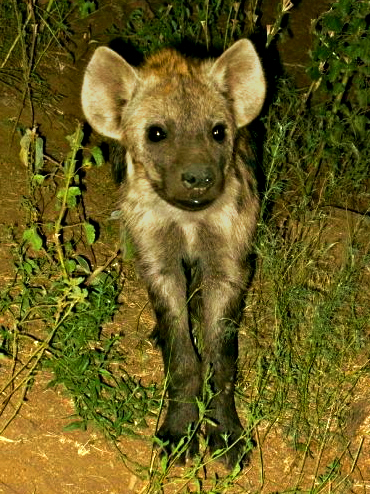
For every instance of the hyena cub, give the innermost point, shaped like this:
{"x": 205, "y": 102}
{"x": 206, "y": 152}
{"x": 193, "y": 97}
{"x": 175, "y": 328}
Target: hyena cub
{"x": 190, "y": 204}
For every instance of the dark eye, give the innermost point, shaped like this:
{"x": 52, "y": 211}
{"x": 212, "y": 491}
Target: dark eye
{"x": 156, "y": 133}
{"x": 218, "y": 132}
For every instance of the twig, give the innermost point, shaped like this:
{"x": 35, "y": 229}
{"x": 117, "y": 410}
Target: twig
{"x": 100, "y": 269}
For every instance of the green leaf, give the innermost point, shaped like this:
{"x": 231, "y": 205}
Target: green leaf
{"x": 236, "y": 470}
{"x": 99, "y": 279}
{"x": 164, "y": 463}
{"x": 314, "y": 73}
{"x": 89, "y": 232}
{"x": 86, "y": 8}
{"x": 98, "y": 156}
{"x": 322, "y": 53}
{"x": 336, "y": 67}
{"x": 363, "y": 97}
{"x": 31, "y": 236}
{"x": 344, "y": 6}
{"x": 105, "y": 373}
{"x": 38, "y": 179}
{"x": 333, "y": 23}
{"x": 29, "y": 266}
{"x": 39, "y": 154}
{"x": 25, "y": 143}
{"x": 70, "y": 265}
{"x": 84, "y": 264}
{"x": 338, "y": 88}
{"x": 73, "y": 426}
{"x": 72, "y": 193}
{"x": 360, "y": 123}
{"x": 76, "y": 281}
{"x": 201, "y": 407}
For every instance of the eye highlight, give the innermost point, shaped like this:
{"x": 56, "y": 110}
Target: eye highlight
{"x": 156, "y": 133}
{"x": 219, "y": 132}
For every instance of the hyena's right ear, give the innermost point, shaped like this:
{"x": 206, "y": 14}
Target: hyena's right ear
{"x": 108, "y": 84}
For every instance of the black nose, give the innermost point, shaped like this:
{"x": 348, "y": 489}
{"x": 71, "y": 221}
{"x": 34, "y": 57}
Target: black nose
{"x": 198, "y": 178}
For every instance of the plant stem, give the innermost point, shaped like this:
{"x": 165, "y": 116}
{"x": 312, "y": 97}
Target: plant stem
{"x": 69, "y": 170}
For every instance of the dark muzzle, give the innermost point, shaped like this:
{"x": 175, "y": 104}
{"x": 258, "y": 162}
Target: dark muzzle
{"x": 198, "y": 178}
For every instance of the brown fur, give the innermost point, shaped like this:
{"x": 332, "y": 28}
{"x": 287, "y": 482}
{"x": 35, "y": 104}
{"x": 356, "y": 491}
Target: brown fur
{"x": 190, "y": 204}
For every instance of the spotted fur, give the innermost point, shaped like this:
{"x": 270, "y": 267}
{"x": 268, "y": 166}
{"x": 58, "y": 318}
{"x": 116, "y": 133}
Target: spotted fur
{"x": 190, "y": 204}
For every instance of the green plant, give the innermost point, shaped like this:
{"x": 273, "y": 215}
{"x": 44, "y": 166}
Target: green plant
{"x": 272, "y": 30}
{"x": 340, "y": 69}
{"x": 58, "y": 303}
{"x": 308, "y": 316}
{"x": 214, "y": 24}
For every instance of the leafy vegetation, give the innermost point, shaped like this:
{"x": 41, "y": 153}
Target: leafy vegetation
{"x": 177, "y": 23}
{"x": 305, "y": 341}
{"x": 57, "y": 302}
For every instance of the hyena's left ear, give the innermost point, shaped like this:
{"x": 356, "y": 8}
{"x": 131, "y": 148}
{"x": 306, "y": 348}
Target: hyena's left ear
{"x": 108, "y": 85}
{"x": 239, "y": 73}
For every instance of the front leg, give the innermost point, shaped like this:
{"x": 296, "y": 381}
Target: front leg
{"x": 167, "y": 291}
{"x": 222, "y": 296}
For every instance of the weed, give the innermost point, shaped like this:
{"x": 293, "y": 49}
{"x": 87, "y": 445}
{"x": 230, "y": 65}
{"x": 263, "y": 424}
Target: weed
{"x": 213, "y": 24}
{"x": 306, "y": 307}
{"x": 60, "y": 305}
{"x": 339, "y": 68}
{"x": 29, "y": 31}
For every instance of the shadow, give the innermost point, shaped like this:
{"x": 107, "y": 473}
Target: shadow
{"x": 127, "y": 51}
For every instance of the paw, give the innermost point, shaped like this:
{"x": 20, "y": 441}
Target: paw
{"x": 228, "y": 447}
{"x": 179, "y": 446}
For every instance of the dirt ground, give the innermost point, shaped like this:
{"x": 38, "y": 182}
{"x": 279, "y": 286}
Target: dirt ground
{"x": 36, "y": 456}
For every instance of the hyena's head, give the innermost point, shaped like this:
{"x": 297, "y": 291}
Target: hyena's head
{"x": 176, "y": 117}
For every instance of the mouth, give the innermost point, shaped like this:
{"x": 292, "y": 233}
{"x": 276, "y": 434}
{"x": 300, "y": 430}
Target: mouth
{"x": 192, "y": 204}
{"x": 196, "y": 201}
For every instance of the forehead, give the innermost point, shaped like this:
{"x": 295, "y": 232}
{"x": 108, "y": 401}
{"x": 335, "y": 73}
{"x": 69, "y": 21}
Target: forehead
{"x": 180, "y": 89}
{"x": 188, "y": 103}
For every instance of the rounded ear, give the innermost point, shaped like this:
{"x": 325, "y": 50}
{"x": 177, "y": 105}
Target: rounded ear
{"x": 108, "y": 84}
{"x": 238, "y": 72}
